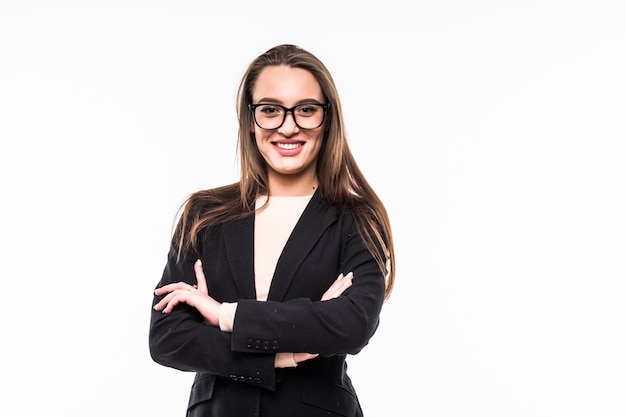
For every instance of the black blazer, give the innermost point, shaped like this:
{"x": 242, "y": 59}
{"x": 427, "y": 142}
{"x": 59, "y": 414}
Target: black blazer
{"x": 235, "y": 374}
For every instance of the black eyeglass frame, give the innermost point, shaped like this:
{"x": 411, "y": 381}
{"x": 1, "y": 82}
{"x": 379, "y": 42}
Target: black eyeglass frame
{"x": 324, "y": 107}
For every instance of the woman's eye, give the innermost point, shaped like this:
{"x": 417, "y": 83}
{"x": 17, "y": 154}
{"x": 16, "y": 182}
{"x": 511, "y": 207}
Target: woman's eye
{"x": 270, "y": 110}
{"x": 307, "y": 110}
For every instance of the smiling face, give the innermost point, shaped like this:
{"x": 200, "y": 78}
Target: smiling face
{"x": 290, "y": 152}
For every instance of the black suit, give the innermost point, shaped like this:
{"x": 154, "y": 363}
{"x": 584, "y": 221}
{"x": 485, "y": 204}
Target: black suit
{"x": 235, "y": 374}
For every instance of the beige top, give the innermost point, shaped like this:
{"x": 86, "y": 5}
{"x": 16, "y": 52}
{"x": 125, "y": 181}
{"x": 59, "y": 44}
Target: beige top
{"x": 272, "y": 227}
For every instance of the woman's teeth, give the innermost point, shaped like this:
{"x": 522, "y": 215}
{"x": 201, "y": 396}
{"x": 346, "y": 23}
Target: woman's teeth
{"x": 288, "y": 146}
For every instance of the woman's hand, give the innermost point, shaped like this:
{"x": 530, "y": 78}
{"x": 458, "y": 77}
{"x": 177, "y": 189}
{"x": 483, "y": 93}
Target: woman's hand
{"x": 195, "y": 296}
{"x": 342, "y": 283}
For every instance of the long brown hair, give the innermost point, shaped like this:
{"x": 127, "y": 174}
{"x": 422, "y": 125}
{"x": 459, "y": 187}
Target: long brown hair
{"x": 341, "y": 182}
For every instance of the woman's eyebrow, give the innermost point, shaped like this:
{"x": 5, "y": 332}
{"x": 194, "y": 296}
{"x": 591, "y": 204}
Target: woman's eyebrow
{"x": 301, "y": 101}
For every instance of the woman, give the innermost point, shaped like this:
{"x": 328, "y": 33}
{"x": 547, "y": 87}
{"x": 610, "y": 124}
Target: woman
{"x": 270, "y": 282}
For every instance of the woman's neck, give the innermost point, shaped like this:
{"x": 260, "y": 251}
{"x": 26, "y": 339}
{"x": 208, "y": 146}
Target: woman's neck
{"x": 290, "y": 185}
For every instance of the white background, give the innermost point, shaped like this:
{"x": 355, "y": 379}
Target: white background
{"x": 494, "y": 131}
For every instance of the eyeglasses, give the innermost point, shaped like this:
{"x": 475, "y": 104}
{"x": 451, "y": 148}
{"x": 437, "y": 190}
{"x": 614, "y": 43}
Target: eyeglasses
{"x": 272, "y": 116}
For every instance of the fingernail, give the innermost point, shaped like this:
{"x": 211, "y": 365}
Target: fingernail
{"x": 199, "y": 262}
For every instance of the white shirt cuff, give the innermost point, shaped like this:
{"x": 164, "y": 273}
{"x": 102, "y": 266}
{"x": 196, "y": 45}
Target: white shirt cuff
{"x": 226, "y": 316}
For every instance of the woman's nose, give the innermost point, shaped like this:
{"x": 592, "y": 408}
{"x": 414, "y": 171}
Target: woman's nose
{"x": 289, "y": 126}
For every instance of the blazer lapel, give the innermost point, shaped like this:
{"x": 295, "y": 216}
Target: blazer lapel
{"x": 239, "y": 243}
{"x": 313, "y": 222}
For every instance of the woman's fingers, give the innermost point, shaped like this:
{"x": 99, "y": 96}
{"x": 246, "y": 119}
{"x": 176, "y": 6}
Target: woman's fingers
{"x": 177, "y": 295}
{"x": 301, "y": 357}
{"x": 173, "y": 287}
{"x": 179, "y": 291}
{"x": 196, "y": 296}
{"x": 170, "y": 291}
{"x": 193, "y": 297}
{"x": 202, "y": 286}
{"x": 337, "y": 288}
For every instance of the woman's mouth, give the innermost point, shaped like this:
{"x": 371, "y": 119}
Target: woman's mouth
{"x": 288, "y": 146}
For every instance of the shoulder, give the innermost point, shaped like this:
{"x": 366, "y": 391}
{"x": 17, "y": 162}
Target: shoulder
{"x": 347, "y": 211}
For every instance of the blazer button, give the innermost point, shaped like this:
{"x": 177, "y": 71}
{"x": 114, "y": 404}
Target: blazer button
{"x": 250, "y": 344}
{"x": 266, "y": 345}
{"x": 258, "y": 380}
{"x": 233, "y": 377}
{"x": 257, "y": 344}
{"x": 274, "y": 344}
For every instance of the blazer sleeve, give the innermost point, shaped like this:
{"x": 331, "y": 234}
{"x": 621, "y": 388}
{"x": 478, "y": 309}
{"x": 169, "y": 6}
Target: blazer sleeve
{"x": 343, "y": 325}
{"x": 182, "y": 341}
